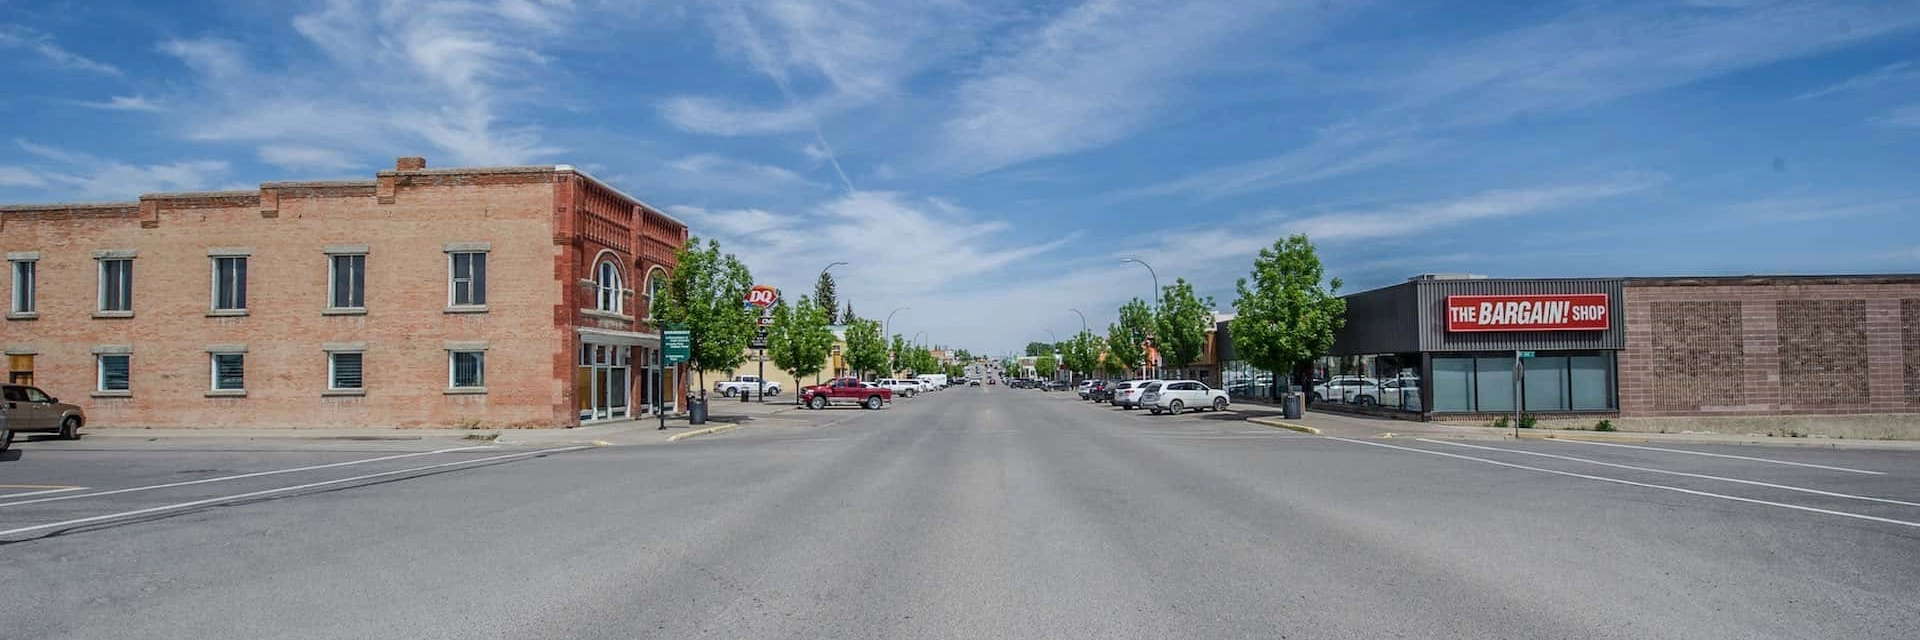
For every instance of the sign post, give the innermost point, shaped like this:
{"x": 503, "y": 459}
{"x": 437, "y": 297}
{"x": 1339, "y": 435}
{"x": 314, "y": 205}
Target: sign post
{"x": 763, "y": 298}
{"x": 1519, "y": 371}
{"x": 676, "y": 346}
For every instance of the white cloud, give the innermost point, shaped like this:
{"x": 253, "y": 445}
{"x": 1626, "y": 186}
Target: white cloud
{"x": 1896, "y": 72}
{"x": 122, "y": 103}
{"x": 1095, "y": 74}
{"x": 18, "y": 37}
{"x": 303, "y": 158}
{"x": 1412, "y": 219}
{"x": 20, "y": 177}
{"x": 78, "y": 175}
{"x": 711, "y": 172}
{"x": 721, "y": 117}
{"x": 1334, "y": 152}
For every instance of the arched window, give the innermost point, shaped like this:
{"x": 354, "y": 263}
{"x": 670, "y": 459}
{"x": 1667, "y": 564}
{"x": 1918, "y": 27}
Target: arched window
{"x": 656, "y": 282}
{"x": 607, "y": 283}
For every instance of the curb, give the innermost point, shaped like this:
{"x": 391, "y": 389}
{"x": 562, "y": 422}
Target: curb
{"x": 701, "y": 432}
{"x": 1592, "y": 437}
{"x": 1284, "y": 425}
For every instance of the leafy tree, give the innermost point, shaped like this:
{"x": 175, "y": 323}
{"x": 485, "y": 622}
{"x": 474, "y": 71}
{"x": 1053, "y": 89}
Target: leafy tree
{"x": 824, "y": 295}
{"x": 866, "y": 351}
{"x": 1109, "y": 366}
{"x": 1039, "y": 349}
{"x": 1288, "y": 313}
{"x": 847, "y": 317}
{"x": 896, "y": 354}
{"x": 1126, "y": 340}
{"x": 1181, "y": 324}
{"x": 704, "y": 294}
{"x": 1080, "y": 353}
{"x": 1044, "y": 366}
{"x": 799, "y": 340}
{"x": 956, "y": 370}
{"x": 961, "y": 356}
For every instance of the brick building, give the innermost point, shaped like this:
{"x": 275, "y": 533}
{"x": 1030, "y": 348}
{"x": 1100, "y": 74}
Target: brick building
{"x": 1678, "y": 347}
{"x": 499, "y": 297}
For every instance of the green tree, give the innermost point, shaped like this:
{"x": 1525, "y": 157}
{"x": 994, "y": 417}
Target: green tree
{"x": 704, "y": 294}
{"x": 825, "y": 295}
{"x": 1080, "y": 353}
{"x": 1044, "y": 366}
{"x": 961, "y": 356}
{"x": 1126, "y": 340}
{"x": 799, "y": 340}
{"x": 1288, "y": 312}
{"x": 1181, "y": 324}
{"x": 866, "y": 351}
{"x": 847, "y": 317}
{"x": 1039, "y": 349}
{"x": 896, "y": 355}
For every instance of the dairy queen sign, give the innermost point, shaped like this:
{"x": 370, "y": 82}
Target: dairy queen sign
{"x": 1540, "y": 312}
{"x": 762, "y": 296}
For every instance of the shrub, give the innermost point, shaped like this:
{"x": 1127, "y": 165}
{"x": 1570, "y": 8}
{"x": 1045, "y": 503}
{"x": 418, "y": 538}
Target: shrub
{"x": 1502, "y": 422}
{"x": 1527, "y": 421}
{"x": 1603, "y": 425}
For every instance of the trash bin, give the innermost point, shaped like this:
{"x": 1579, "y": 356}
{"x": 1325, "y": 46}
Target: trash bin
{"x": 746, "y": 395}
{"x": 1290, "y": 406}
{"x": 697, "y": 411}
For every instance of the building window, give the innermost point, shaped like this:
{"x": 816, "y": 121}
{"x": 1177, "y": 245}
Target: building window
{"x": 1563, "y": 381}
{"x": 344, "y": 371}
{"x": 23, "y": 285}
{"x": 607, "y": 283}
{"x": 116, "y": 284}
{"x": 229, "y": 371}
{"x": 230, "y": 284}
{"x": 115, "y": 372}
{"x": 468, "y": 279}
{"x": 20, "y": 368}
{"x": 347, "y": 281}
{"x": 467, "y": 369}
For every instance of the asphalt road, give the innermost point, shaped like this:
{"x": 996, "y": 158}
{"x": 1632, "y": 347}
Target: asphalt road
{"x": 974, "y": 513}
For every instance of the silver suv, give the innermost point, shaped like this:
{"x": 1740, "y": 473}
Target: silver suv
{"x": 25, "y": 409}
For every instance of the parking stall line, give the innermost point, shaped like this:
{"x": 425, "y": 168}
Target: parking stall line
{"x": 242, "y": 476}
{"x": 1720, "y": 455}
{"x": 1702, "y": 476}
{"x": 1646, "y": 485}
{"x": 267, "y": 492}
{"x": 44, "y": 490}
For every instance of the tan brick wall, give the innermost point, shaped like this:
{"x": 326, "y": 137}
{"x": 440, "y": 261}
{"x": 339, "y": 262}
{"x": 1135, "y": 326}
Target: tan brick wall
{"x": 1758, "y": 349}
{"x": 405, "y": 327}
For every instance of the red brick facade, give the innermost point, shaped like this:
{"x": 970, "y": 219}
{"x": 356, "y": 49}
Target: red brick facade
{"x": 1768, "y": 346}
{"x": 542, "y": 229}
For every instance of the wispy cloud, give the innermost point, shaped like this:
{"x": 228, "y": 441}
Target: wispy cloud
{"x": 1094, "y": 74}
{"x": 1896, "y": 72}
{"x": 79, "y": 175}
{"x": 42, "y": 45}
{"x": 1790, "y": 210}
{"x": 1907, "y": 116}
{"x": 1335, "y": 151}
{"x": 121, "y": 103}
{"x": 719, "y": 174}
{"x": 1413, "y": 219}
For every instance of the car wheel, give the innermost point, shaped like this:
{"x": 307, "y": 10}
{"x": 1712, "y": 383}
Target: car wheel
{"x": 6, "y": 438}
{"x": 1364, "y": 401}
{"x": 70, "y": 428}
{"x": 1317, "y": 398}
{"x": 1176, "y": 407}
{"x": 1154, "y": 410}
{"x": 1219, "y": 404}
{"x": 730, "y": 392}
{"x": 873, "y": 402}
{"x": 818, "y": 402}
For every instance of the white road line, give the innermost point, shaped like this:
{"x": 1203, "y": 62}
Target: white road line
{"x": 1661, "y": 487}
{"x": 1721, "y": 455}
{"x": 267, "y": 492}
{"x": 1682, "y": 473}
{"x": 42, "y": 493}
{"x": 240, "y": 476}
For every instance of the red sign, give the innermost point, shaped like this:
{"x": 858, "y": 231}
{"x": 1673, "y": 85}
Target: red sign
{"x": 1544, "y": 312}
{"x": 762, "y": 296}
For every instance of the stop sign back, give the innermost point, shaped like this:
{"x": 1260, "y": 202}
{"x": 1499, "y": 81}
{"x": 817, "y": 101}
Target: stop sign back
{"x": 762, "y": 296}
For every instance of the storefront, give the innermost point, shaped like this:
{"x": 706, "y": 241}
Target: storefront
{"x": 618, "y": 376}
{"x": 1461, "y": 345}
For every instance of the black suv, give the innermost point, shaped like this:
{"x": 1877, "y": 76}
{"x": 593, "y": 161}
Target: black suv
{"x": 1098, "y": 392}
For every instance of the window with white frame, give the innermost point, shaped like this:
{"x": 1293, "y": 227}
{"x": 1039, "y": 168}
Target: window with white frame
{"x": 116, "y": 284}
{"x": 344, "y": 371}
{"x": 607, "y": 283}
{"x": 230, "y": 283}
{"x": 115, "y": 372}
{"x": 347, "y": 281}
{"x": 468, "y": 278}
{"x": 467, "y": 369}
{"x": 24, "y": 274}
{"x": 229, "y": 371}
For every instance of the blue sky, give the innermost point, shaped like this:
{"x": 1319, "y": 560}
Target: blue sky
{"x": 986, "y": 163}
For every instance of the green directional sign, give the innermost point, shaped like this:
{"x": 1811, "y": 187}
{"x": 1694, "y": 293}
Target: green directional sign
{"x": 1525, "y": 354}
{"x": 677, "y": 345}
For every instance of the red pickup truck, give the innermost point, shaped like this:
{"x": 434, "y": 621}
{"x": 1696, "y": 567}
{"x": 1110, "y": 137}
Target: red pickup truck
{"x": 845, "y": 390}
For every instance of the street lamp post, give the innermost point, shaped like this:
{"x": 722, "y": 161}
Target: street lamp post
{"x": 1073, "y": 375}
{"x": 888, "y": 337}
{"x": 1156, "y": 293}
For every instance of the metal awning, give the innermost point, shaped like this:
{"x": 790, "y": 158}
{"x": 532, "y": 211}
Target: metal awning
{"x": 626, "y": 338}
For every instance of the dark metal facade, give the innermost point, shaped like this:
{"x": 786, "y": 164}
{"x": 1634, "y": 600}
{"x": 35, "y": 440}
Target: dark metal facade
{"x": 1411, "y": 317}
{"x": 1383, "y": 320}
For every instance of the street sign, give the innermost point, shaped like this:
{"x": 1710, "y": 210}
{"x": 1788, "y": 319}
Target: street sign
{"x": 759, "y": 340}
{"x": 1526, "y": 354}
{"x": 764, "y": 321}
{"x": 676, "y": 345}
{"x": 759, "y": 358}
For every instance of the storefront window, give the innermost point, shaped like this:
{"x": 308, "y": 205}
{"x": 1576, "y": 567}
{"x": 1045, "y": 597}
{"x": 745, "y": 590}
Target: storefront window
{"x": 1494, "y": 383}
{"x": 1570, "y": 382}
{"x": 1545, "y": 381}
{"x": 1453, "y": 384}
{"x": 1592, "y": 382}
{"x": 1387, "y": 380}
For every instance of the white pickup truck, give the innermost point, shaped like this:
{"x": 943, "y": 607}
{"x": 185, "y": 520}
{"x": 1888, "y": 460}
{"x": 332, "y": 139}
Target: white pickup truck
{"x": 901, "y": 388}
{"x": 744, "y": 384}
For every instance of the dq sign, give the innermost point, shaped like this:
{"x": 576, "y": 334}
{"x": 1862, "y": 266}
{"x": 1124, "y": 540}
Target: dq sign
{"x": 762, "y": 296}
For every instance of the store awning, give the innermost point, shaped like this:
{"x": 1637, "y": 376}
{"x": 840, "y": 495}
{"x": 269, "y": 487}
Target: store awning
{"x": 625, "y": 338}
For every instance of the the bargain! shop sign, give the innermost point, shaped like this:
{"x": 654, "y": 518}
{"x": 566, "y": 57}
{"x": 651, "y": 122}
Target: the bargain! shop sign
{"x": 1545, "y": 312}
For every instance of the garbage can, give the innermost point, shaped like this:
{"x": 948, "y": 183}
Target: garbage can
{"x": 746, "y": 395}
{"x": 1290, "y": 406}
{"x": 697, "y": 411}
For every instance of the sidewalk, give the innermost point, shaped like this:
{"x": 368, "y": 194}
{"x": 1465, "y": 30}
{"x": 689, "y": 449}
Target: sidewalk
{"x": 1350, "y": 426}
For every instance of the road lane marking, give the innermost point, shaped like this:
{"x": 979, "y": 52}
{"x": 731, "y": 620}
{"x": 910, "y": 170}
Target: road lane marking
{"x": 239, "y": 477}
{"x": 1646, "y": 485}
{"x": 35, "y": 493}
{"x": 1682, "y": 473}
{"x": 1721, "y": 455}
{"x": 268, "y": 492}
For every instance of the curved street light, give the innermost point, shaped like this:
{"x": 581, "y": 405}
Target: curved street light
{"x": 889, "y": 322}
{"x": 1150, "y": 271}
{"x": 1083, "y": 321}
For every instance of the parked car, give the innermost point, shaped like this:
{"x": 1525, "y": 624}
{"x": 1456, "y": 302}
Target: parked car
{"x": 1348, "y": 389}
{"x": 30, "y": 410}
{"x": 1401, "y": 393}
{"x": 902, "y": 388}
{"x": 1059, "y": 385}
{"x": 1177, "y": 396}
{"x": 1098, "y": 392}
{"x": 1082, "y": 389}
{"x": 1126, "y": 395}
{"x": 845, "y": 390}
{"x": 924, "y": 384}
{"x": 973, "y": 383}
{"x": 744, "y": 384}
